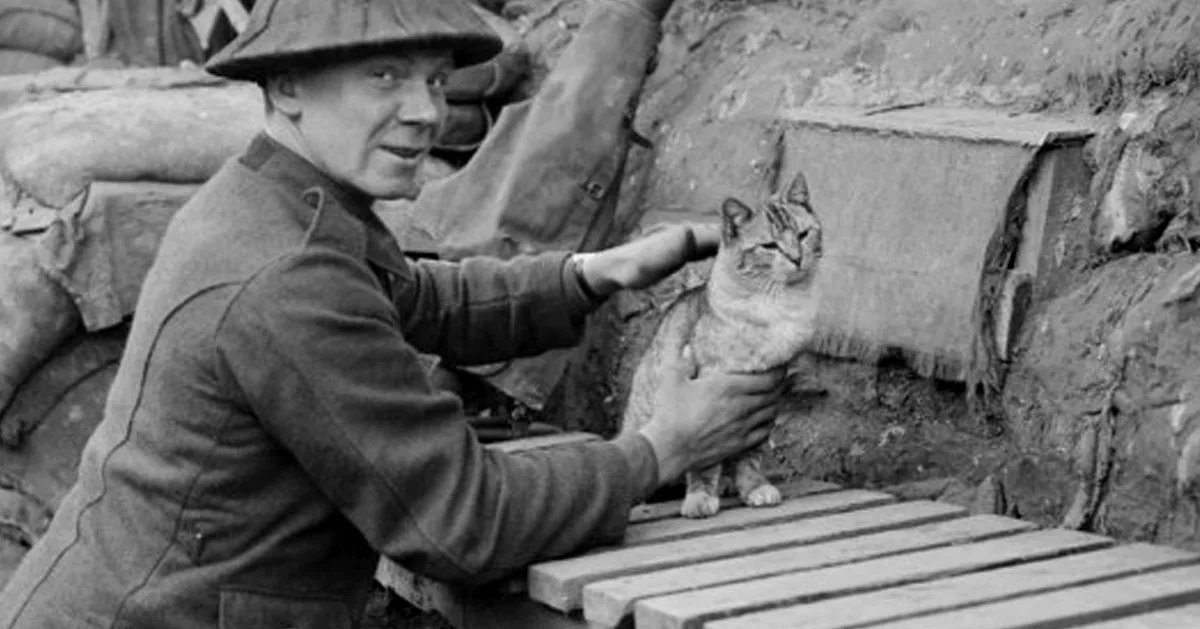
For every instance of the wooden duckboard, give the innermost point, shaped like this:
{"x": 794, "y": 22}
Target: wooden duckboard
{"x": 829, "y": 559}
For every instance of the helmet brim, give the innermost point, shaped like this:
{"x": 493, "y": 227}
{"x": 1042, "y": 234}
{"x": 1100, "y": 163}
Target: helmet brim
{"x": 468, "y": 50}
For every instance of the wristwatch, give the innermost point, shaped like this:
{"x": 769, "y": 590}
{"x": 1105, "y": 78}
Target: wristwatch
{"x": 585, "y": 287}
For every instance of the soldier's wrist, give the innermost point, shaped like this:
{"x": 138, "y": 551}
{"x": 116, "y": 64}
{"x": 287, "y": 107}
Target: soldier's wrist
{"x": 643, "y": 463}
{"x": 668, "y": 454}
{"x": 596, "y": 277}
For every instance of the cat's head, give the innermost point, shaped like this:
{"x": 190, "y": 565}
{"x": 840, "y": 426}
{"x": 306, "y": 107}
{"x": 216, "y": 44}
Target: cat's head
{"x": 777, "y": 243}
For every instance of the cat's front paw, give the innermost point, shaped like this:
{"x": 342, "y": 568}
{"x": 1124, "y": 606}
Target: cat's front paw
{"x": 763, "y": 496}
{"x": 700, "y": 504}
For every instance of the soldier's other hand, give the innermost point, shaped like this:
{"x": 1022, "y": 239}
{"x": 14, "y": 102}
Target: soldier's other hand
{"x": 703, "y": 418}
{"x": 649, "y": 259}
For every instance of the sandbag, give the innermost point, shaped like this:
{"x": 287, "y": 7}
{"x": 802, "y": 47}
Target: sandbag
{"x": 82, "y": 270}
{"x": 24, "y": 62}
{"x": 547, "y": 176}
{"x": 36, "y": 314}
{"x": 46, "y": 27}
{"x": 100, "y": 248}
{"x": 51, "y": 149}
{"x": 23, "y": 517}
{"x": 149, "y": 33}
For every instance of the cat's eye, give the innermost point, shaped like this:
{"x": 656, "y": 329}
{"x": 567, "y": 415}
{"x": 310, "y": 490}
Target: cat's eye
{"x": 770, "y": 246}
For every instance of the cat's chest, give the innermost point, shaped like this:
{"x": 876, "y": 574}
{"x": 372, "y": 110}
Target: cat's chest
{"x": 744, "y": 347}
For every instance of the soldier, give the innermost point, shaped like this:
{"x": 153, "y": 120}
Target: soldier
{"x": 271, "y": 430}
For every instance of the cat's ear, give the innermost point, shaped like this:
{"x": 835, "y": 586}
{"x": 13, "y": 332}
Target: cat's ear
{"x": 797, "y": 190}
{"x": 734, "y": 216}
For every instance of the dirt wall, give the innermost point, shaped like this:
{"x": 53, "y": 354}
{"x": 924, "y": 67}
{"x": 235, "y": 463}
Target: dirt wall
{"x": 1088, "y": 438}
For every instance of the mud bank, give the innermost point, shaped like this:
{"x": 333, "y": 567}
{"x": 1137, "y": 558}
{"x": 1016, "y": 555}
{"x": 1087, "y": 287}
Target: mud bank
{"x": 1096, "y": 430}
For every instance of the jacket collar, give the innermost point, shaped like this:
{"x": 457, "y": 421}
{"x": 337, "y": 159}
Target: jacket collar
{"x": 273, "y": 160}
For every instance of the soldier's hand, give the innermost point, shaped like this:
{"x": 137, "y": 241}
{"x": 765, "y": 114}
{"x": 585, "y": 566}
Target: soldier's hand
{"x": 649, "y": 259}
{"x": 703, "y": 418}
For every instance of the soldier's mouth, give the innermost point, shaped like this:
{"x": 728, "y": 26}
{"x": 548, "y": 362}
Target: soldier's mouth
{"x": 405, "y": 152}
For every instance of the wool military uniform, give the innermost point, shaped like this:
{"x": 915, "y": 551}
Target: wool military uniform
{"x": 271, "y": 429}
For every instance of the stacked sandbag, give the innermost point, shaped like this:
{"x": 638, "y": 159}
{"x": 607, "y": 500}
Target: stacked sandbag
{"x": 37, "y": 35}
{"x": 36, "y": 315}
{"x": 22, "y": 518}
{"x": 88, "y": 181}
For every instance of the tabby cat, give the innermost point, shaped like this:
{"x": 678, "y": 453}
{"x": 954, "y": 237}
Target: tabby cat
{"x": 756, "y": 312}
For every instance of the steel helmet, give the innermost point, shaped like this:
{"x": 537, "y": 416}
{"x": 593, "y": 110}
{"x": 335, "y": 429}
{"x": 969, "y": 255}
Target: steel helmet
{"x": 288, "y": 33}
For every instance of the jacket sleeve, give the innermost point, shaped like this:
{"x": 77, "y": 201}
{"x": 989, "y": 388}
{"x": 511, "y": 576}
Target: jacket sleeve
{"x": 483, "y": 310}
{"x": 346, "y": 395}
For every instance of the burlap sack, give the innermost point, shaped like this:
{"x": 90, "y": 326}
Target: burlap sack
{"x": 51, "y": 149}
{"x": 24, "y": 62}
{"x": 83, "y": 244}
{"x": 36, "y": 314}
{"x": 45, "y": 27}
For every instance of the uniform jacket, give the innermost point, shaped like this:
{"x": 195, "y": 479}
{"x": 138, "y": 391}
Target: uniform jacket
{"x": 271, "y": 430}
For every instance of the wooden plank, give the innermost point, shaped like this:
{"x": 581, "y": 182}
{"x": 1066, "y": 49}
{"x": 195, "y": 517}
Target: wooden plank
{"x": 1074, "y": 607}
{"x": 687, "y": 610}
{"x": 468, "y": 609}
{"x": 964, "y": 591}
{"x": 805, "y": 507}
{"x": 607, "y": 603}
{"x": 485, "y": 608}
{"x": 545, "y": 441}
{"x": 559, "y": 583}
{"x": 965, "y": 125}
{"x": 1177, "y": 618}
{"x": 417, "y": 590}
{"x": 670, "y": 509}
{"x": 428, "y": 594}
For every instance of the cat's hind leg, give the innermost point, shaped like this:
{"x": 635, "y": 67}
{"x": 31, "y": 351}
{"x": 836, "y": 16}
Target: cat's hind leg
{"x": 702, "y": 499}
{"x": 753, "y": 488}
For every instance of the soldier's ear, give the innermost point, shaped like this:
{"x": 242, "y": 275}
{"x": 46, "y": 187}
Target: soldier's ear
{"x": 734, "y": 216}
{"x": 282, "y": 91}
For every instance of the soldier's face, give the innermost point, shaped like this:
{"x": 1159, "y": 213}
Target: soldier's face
{"x": 370, "y": 122}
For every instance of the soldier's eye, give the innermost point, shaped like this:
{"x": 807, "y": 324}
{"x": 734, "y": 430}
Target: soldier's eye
{"x": 385, "y": 75}
{"x": 438, "y": 80}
